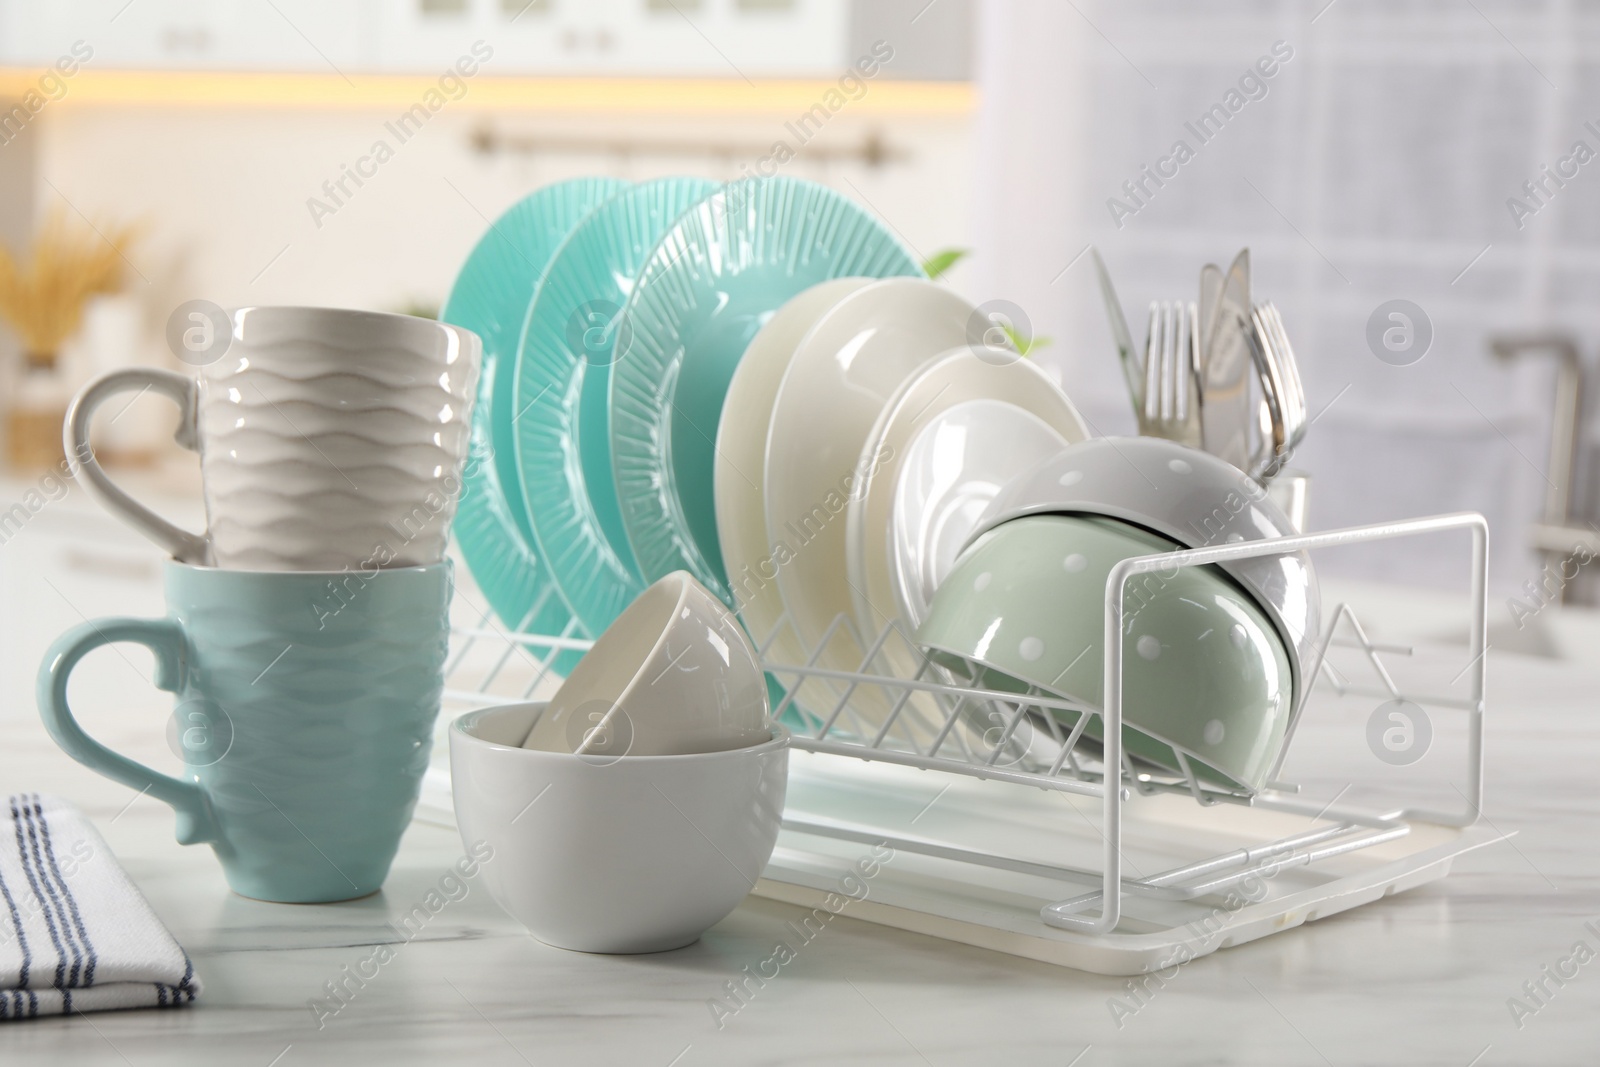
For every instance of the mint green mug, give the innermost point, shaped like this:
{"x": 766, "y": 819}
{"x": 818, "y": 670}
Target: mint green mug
{"x": 305, "y": 711}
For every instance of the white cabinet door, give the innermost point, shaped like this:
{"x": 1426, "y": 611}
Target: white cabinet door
{"x": 705, "y": 38}
{"x": 292, "y": 35}
{"x": 733, "y": 38}
{"x": 524, "y": 36}
{"x": 709, "y": 38}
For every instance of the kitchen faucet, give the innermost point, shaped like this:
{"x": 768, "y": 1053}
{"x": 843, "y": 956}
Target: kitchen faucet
{"x": 1557, "y": 535}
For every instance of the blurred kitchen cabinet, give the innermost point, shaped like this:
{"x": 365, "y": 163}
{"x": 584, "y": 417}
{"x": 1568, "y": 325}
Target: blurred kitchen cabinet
{"x": 706, "y": 38}
{"x": 288, "y": 35}
{"x": 526, "y": 36}
{"x": 750, "y": 37}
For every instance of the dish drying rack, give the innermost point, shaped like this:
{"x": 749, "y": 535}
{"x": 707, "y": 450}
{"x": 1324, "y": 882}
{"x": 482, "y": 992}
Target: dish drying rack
{"x": 994, "y": 876}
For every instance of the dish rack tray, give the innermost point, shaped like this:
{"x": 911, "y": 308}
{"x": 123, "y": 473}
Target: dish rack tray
{"x": 1025, "y": 840}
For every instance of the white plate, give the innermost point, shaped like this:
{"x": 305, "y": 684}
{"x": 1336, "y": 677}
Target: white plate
{"x": 956, "y": 463}
{"x": 739, "y": 476}
{"x": 992, "y": 414}
{"x": 846, "y": 369}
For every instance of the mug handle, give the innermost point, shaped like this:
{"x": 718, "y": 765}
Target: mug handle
{"x": 164, "y": 637}
{"x": 182, "y": 390}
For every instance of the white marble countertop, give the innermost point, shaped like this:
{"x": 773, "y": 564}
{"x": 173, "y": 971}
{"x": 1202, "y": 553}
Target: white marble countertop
{"x": 1420, "y": 978}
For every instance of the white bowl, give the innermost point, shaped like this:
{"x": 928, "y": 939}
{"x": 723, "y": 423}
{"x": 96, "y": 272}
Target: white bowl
{"x": 673, "y": 674}
{"x": 614, "y": 854}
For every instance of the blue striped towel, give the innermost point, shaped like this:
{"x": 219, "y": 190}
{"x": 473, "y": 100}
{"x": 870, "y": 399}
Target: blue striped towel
{"x": 75, "y": 933}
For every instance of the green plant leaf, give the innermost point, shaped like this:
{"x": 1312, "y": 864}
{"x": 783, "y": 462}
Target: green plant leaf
{"x": 942, "y": 261}
{"x": 1025, "y": 346}
{"x": 421, "y": 309}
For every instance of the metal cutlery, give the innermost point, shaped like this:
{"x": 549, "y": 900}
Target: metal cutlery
{"x": 1171, "y": 397}
{"x": 1283, "y": 406}
{"x": 1273, "y": 415}
{"x": 1150, "y": 389}
{"x": 1120, "y": 333}
{"x": 1193, "y": 381}
{"x": 1210, "y": 293}
{"x": 1294, "y": 388}
{"x": 1225, "y": 396}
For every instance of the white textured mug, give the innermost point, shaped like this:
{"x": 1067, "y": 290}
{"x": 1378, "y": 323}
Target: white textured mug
{"x": 328, "y": 439}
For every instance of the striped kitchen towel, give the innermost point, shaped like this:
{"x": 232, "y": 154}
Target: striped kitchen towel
{"x": 75, "y": 934}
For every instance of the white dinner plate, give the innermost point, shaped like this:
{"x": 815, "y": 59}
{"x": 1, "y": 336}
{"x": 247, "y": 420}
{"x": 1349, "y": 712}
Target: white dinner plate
{"x": 956, "y": 461}
{"x": 739, "y": 476}
{"x": 988, "y": 414}
{"x": 845, "y": 370}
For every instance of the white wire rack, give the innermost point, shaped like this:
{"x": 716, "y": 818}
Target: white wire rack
{"x": 934, "y": 723}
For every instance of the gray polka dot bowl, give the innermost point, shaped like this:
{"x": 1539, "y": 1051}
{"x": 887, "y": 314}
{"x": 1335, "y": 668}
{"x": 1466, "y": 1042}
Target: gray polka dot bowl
{"x": 1189, "y": 496}
{"x": 1205, "y": 673}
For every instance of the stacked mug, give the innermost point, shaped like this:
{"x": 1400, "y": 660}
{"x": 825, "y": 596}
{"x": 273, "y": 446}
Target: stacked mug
{"x": 306, "y": 628}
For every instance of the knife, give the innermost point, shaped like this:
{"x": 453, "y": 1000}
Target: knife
{"x": 1210, "y": 292}
{"x": 1225, "y": 413}
{"x": 1131, "y": 370}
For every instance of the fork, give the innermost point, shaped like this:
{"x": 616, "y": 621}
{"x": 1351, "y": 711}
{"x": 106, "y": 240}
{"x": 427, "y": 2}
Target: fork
{"x": 1171, "y": 374}
{"x": 1294, "y": 390}
{"x": 1282, "y": 412}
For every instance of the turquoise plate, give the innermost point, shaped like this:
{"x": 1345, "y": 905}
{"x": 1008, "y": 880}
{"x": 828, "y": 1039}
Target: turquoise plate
{"x": 490, "y": 297}
{"x": 708, "y": 287}
{"x": 563, "y": 436}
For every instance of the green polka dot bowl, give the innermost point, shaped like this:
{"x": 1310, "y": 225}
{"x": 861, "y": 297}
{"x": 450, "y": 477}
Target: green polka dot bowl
{"x": 1206, "y": 679}
{"x": 1189, "y": 496}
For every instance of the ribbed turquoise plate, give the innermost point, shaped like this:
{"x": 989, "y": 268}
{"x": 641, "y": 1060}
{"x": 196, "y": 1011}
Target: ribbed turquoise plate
{"x": 708, "y": 287}
{"x": 563, "y": 437}
{"x": 491, "y": 297}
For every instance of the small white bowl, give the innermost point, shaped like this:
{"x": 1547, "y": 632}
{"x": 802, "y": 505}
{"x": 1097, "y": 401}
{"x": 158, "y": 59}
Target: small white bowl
{"x": 674, "y": 674}
{"x": 616, "y": 854}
